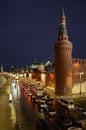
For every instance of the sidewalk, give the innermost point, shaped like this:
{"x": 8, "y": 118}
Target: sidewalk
{"x": 78, "y": 95}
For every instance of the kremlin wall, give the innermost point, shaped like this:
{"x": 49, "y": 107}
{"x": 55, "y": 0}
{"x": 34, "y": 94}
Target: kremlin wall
{"x": 78, "y": 65}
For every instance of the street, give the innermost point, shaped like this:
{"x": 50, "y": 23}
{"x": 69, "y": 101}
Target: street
{"x": 7, "y": 110}
{"x": 28, "y": 116}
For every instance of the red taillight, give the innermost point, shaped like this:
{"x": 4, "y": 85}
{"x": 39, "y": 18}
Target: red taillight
{"x": 28, "y": 99}
{"x": 41, "y": 110}
{"x": 50, "y": 120}
{"x": 36, "y": 106}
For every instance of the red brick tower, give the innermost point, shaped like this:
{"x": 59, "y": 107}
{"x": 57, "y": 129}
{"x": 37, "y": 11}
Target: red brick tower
{"x": 63, "y": 60}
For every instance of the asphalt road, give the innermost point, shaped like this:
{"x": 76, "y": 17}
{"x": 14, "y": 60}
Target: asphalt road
{"x": 28, "y": 116}
{"x": 7, "y": 110}
{"x": 31, "y": 115}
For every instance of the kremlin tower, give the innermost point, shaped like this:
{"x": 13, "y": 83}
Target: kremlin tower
{"x": 63, "y": 60}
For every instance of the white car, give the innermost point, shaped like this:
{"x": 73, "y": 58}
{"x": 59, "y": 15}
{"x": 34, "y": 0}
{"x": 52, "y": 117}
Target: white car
{"x": 10, "y": 97}
{"x": 84, "y": 113}
{"x": 74, "y": 128}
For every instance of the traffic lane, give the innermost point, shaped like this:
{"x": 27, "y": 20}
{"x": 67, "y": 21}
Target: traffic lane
{"x": 33, "y": 117}
{"x": 28, "y": 112}
{"x": 24, "y": 117}
{"x": 31, "y": 113}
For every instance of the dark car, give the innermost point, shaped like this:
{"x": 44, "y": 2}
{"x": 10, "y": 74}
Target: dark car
{"x": 41, "y": 106}
{"x": 50, "y": 112}
{"x": 33, "y": 97}
{"x": 49, "y": 101}
{"x": 37, "y": 99}
{"x": 64, "y": 121}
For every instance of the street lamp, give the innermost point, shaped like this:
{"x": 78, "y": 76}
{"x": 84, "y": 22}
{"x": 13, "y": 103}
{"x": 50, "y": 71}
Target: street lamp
{"x": 43, "y": 77}
{"x": 80, "y": 74}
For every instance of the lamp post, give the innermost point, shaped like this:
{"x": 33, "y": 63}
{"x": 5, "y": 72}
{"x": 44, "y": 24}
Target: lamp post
{"x": 80, "y": 74}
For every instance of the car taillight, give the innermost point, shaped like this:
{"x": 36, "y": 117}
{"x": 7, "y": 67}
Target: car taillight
{"x": 50, "y": 120}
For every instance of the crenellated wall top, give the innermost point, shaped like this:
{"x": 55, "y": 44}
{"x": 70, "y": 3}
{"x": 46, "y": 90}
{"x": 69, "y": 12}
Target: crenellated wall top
{"x": 79, "y": 61}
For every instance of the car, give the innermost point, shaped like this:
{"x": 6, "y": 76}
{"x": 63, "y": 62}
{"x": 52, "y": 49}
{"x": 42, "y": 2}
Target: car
{"x": 49, "y": 101}
{"x": 74, "y": 128}
{"x": 33, "y": 97}
{"x": 37, "y": 99}
{"x": 82, "y": 116}
{"x": 84, "y": 112}
{"x": 50, "y": 112}
{"x": 10, "y": 97}
{"x": 41, "y": 106}
{"x": 80, "y": 109}
{"x": 42, "y": 97}
{"x": 64, "y": 121}
{"x": 29, "y": 93}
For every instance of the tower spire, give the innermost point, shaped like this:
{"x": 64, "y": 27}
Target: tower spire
{"x": 62, "y": 27}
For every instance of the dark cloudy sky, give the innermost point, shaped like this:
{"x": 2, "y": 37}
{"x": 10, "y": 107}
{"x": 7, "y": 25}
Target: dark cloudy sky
{"x": 29, "y": 29}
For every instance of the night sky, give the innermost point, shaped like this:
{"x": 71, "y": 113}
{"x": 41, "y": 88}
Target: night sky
{"x": 29, "y": 29}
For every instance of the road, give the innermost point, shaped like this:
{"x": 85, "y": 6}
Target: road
{"x": 7, "y": 110}
{"x": 31, "y": 114}
{"x": 28, "y": 116}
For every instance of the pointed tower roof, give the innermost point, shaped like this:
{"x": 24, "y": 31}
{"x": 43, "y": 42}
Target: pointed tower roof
{"x": 62, "y": 27}
{"x": 62, "y": 13}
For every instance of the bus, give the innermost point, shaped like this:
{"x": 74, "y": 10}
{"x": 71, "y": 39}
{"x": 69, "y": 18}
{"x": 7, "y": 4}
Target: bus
{"x": 66, "y": 102}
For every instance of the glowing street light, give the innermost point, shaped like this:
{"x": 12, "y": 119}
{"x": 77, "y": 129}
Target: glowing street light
{"x": 43, "y": 77}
